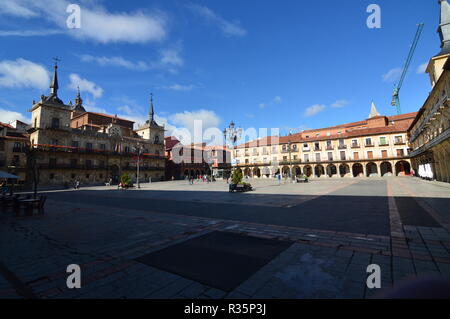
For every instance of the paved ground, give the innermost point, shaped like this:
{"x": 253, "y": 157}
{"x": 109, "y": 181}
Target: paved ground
{"x": 333, "y": 230}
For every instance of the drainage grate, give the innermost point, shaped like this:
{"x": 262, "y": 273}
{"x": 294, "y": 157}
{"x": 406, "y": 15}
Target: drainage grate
{"x": 218, "y": 259}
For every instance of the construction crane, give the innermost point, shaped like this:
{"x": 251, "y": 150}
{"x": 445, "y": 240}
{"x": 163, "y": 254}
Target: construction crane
{"x": 395, "y": 95}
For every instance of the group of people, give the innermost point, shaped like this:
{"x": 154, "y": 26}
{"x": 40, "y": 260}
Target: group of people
{"x": 203, "y": 178}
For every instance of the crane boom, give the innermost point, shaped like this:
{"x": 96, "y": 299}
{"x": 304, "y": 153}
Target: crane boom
{"x": 395, "y": 94}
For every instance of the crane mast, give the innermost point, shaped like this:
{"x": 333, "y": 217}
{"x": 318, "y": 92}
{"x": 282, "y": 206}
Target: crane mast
{"x": 395, "y": 95}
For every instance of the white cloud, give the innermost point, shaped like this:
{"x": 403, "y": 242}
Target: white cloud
{"x": 16, "y": 8}
{"x": 340, "y": 103}
{"x": 392, "y": 75}
{"x": 275, "y": 100}
{"x": 180, "y": 87}
{"x": 7, "y": 116}
{"x": 29, "y": 33}
{"x": 85, "y": 85}
{"x": 117, "y": 61}
{"x": 314, "y": 109}
{"x": 189, "y": 131}
{"x": 97, "y": 24}
{"x": 171, "y": 57}
{"x": 23, "y": 73}
{"x": 422, "y": 68}
{"x": 228, "y": 28}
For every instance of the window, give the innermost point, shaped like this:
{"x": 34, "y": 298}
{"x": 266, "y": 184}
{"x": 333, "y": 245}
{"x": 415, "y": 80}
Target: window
{"x": 54, "y": 142}
{"x": 305, "y": 145}
{"x": 399, "y": 139}
{"x": 384, "y": 154}
{"x": 317, "y": 157}
{"x": 356, "y": 156}
{"x": 368, "y": 141}
{"x": 274, "y": 150}
{"x": 354, "y": 143}
{"x": 329, "y": 144}
{"x": 383, "y": 141}
{"x": 17, "y": 147}
{"x": 55, "y": 122}
{"x": 75, "y": 144}
{"x": 35, "y": 122}
{"x": 330, "y": 156}
{"x": 285, "y": 158}
{"x": 400, "y": 153}
{"x": 370, "y": 154}
{"x": 103, "y": 147}
{"x": 342, "y": 155}
{"x": 15, "y": 160}
{"x": 89, "y": 146}
{"x": 317, "y": 146}
{"x": 156, "y": 139}
{"x": 295, "y": 157}
{"x": 306, "y": 156}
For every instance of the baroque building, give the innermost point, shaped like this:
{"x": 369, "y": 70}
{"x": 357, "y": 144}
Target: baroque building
{"x": 69, "y": 144}
{"x": 14, "y": 142}
{"x": 429, "y": 133}
{"x": 376, "y": 146}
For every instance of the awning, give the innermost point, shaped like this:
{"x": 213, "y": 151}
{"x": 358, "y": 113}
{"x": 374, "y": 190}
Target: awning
{"x": 7, "y": 175}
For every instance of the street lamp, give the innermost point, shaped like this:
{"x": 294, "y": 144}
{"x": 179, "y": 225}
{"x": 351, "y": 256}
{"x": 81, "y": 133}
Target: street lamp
{"x": 232, "y": 134}
{"x": 138, "y": 149}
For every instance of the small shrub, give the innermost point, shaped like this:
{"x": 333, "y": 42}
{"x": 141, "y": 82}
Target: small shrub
{"x": 125, "y": 179}
{"x": 236, "y": 177}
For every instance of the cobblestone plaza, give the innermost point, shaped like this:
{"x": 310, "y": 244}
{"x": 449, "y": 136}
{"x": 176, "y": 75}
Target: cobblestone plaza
{"x": 329, "y": 231}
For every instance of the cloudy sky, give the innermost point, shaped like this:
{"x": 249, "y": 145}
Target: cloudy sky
{"x": 288, "y": 64}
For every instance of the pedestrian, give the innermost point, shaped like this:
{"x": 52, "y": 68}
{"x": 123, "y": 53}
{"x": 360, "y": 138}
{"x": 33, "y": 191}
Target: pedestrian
{"x": 279, "y": 179}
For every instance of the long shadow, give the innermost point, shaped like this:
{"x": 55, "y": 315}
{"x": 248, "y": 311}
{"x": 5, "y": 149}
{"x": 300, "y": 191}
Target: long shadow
{"x": 358, "y": 214}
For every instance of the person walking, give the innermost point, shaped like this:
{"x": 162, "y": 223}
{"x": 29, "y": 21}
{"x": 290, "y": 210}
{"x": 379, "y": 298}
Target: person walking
{"x": 279, "y": 179}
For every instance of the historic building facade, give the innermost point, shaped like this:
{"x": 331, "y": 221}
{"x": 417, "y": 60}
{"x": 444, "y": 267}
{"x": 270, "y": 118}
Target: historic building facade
{"x": 69, "y": 144}
{"x": 377, "y": 146}
{"x": 14, "y": 142}
{"x": 430, "y": 131}
{"x": 194, "y": 160}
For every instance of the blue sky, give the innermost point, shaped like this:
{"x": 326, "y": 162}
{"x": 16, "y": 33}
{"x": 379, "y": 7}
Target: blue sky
{"x": 289, "y": 64}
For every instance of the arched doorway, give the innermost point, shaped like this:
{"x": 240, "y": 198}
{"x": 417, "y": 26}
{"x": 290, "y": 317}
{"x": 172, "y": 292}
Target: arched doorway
{"x": 319, "y": 170}
{"x": 331, "y": 170}
{"x": 297, "y": 171}
{"x": 265, "y": 171}
{"x": 371, "y": 169}
{"x": 386, "y": 169}
{"x": 247, "y": 172}
{"x": 307, "y": 170}
{"x": 344, "y": 169}
{"x": 115, "y": 174}
{"x": 285, "y": 171}
{"x": 256, "y": 172}
{"x": 402, "y": 168}
{"x": 357, "y": 170}
{"x": 186, "y": 173}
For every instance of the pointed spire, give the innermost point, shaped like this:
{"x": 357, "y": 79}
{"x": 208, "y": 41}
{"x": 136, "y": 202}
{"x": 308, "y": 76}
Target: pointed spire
{"x": 444, "y": 27}
{"x": 78, "y": 99}
{"x": 54, "y": 84}
{"x": 151, "y": 113}
{"x": 373, "y": 111}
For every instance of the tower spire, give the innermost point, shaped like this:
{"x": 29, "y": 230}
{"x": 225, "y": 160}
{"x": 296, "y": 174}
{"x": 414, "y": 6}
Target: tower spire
{"x": 444, "y": 27}
{"x": 373, "y": 111}
{"x": 151, "y": 113}
{"x": 54, "y": 84}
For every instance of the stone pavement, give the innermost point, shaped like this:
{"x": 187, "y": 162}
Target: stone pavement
{"x": 88, "y": 228}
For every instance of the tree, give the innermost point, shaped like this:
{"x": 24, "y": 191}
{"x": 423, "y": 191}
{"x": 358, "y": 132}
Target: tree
{"x": 126, "y": 180}
{"x": 237, "y": 176}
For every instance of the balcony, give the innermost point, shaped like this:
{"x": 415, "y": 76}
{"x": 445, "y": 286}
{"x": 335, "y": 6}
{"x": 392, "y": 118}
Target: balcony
{"x": 318, "y": 149}
{"x": 342, "y": 147}
{"x": 369, "y": 145}
{"x": 330, "y": 148}
{"x": 383, "y": 144}
{"x": 399, "y": 143}
{"x": 355, "y": 146}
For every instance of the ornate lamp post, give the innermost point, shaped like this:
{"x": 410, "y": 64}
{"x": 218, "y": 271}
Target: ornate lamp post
{"x": 232, "y": 134}
{"x": 139, "y": 150}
